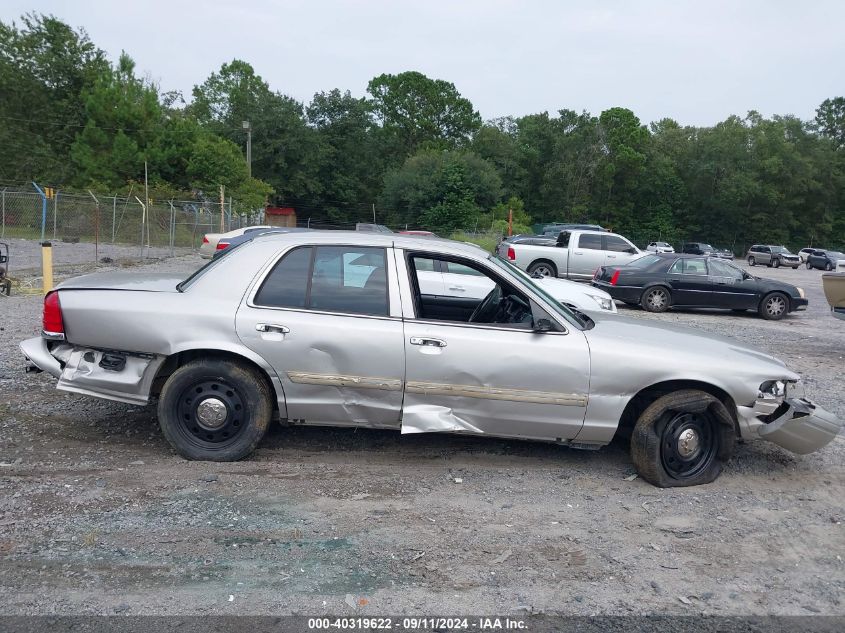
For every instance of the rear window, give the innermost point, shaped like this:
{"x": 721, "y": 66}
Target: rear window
{"x": 647, "y": 262}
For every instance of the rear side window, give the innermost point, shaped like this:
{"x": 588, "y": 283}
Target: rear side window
{"x": 618, "y": 245}
{"x": 344, "y": 279}
{"x": 590, "y": 241}
{"x": 287, "y": 285}
{"x": 460, "y": 269}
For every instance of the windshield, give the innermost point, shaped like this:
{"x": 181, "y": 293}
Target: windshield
{"x": 780, "y": 249}
{"x": 561, "y": 309}
{"x": 706, "y": 247}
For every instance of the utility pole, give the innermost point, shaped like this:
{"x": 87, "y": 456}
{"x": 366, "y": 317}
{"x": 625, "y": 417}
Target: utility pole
{"x": 146, "y": 204}
{"x": 222, "y": 209}
{"x": 248, "y": 128}
{"x": 374, "y": 212}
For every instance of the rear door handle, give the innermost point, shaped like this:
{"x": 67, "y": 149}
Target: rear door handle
{"x": 271, "y": 327}
{"x": 611, "y": 256}
{"x": 427, "y": 342}
{"x": 578, "y": 253}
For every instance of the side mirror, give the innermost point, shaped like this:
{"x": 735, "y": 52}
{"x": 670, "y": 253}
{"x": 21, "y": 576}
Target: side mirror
{"x": 632, "y": 251}
{"x": 543, "y": 325}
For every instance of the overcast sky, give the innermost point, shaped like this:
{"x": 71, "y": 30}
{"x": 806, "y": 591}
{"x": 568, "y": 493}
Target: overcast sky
{"x": 696, "y": 62}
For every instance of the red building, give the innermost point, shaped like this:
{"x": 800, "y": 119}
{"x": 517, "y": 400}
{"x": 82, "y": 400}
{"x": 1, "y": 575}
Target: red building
{"x": 280, "y": 216}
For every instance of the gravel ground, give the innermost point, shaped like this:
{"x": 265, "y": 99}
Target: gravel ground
{"x": 98, "y": 515}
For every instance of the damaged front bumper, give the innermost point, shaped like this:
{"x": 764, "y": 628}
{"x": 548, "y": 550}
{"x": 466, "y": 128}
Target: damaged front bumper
{"x": 112, "y": 375}
{"x": 795, "y": 424}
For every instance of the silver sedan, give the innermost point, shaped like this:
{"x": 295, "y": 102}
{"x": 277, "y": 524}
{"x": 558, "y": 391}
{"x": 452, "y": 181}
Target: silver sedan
{"x": 333, "y": 328}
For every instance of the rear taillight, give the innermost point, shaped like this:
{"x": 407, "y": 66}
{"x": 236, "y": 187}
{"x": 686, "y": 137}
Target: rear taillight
{"x": 53, "y": 326}
{"x": 614, "y": 278}
{"x": 204, "y": 239}
{"x": 222, "y": 245}
{"x": 511, "y": 254}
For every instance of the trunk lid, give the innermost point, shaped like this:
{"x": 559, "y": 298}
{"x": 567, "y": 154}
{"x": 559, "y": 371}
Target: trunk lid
{"x": 144, "y": 282}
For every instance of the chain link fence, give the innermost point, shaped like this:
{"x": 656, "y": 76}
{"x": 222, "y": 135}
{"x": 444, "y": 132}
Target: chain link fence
{"x": 91, "y": 229}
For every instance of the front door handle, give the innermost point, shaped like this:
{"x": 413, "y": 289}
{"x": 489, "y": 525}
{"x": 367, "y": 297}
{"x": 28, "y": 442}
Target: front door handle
{"x": 578, "y": 253}
{"x": 611, "y": 256}
{"x": 458, "y": 288}
{"x": 271, "y": 327}
{"x": 427, "y": 342}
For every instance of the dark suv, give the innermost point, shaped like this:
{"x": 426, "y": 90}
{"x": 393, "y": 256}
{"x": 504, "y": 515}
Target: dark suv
{"x": 698, "y": 248}
{"x": 772, "y": 256}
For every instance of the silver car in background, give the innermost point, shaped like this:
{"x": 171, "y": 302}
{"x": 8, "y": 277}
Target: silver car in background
{"x": 331, "y": 328}
{"x": 660, "y": 247}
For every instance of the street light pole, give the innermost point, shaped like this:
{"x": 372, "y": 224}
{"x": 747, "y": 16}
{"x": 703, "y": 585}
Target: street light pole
{"x": 248, "y": 129}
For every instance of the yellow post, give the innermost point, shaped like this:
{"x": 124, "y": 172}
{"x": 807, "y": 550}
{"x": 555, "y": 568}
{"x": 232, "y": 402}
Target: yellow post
{"x": 47, "y": 265}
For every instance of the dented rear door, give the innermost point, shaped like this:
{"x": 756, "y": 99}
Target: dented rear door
{"x": 327, "y": 318}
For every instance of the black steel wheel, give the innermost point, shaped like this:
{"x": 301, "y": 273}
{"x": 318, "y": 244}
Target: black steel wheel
{"x": 215, "y": 409}
{"x": 688, "y": 444}
{"x": 656, "y": 299}
{"x": 683, "y": 439}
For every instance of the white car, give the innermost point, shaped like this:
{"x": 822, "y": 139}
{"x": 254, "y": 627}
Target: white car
{"x": 804, "y": 252}
{"x": 210, "y": 240}
{"x": 453, "y": 280}
{"x": 660, "y": 247}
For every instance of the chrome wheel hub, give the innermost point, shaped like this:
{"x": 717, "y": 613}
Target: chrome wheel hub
{"x": 776, "y": 305}
{"x": 688, "y": 442}
{"x": 211, "y": 413}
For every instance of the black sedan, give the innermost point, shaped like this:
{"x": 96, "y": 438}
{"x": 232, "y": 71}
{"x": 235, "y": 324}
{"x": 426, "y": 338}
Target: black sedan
{"x": 825, "y": 260}
{"x": 660, "y": 281}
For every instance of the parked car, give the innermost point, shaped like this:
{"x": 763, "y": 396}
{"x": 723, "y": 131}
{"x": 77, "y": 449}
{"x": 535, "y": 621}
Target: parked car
{"x": 230, "y": 242}
{"x": 575, "y": 255}
{"x": 449, "y": 279}
{"x": 802, "y": 254}
{"x": 210, "y": 240}
{"x": 723, "y": 253}
{"x": 331, "y": 328}
{"x": 697, "y": 248}
{"x": 418, "y": 233}
{"x": 372, "y": 228}
{"x": 772, "y": 256}
{"x": 826, "y": 260}
{"x": 556, "y": 228}
{"x": 660, "y": 247}
{"x": 659, "y": 282}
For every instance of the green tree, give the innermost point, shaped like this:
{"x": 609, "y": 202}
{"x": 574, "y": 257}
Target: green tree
{"x": 441, "y": 190}
{"x": 416, "y": 111}
{"x": 830, "y": 120}
{"x": 45, "y": 66}
{"x": 123, "y": 123}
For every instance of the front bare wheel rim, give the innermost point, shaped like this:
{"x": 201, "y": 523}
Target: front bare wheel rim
{"x": 688, "y": 444}
{"x": 775, "y": 306}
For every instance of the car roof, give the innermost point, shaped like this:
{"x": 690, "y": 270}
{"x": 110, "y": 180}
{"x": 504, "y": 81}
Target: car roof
{"x": 362, "y": 238}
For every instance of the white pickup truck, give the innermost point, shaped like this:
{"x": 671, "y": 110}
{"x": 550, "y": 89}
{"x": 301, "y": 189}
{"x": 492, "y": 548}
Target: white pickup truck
{"x": 576, "y": 255}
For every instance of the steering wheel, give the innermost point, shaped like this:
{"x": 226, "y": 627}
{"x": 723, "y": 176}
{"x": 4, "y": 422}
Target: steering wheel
{"x": 488, "y": 307}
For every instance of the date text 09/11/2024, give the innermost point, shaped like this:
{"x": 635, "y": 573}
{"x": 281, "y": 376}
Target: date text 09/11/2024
{"x": 417, "y": 623}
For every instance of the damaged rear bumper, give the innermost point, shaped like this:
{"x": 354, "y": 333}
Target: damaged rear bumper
{"x": 93, "y": 372}
{"x": 796, "y": 424}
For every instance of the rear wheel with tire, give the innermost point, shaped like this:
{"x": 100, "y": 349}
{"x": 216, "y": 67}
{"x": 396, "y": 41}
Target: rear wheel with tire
{"x": 752, "y": 261}
{"x": 683, "y": 439}
{"x": 774, "y": 306}
{"x": 656, "y": 299}
{"x": 544, "y": 268}
{"x": 215, "y": 410}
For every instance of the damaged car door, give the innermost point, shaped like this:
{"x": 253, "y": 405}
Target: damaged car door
{"x": 325, "y": 318}
{"x": 506, "y": 370}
